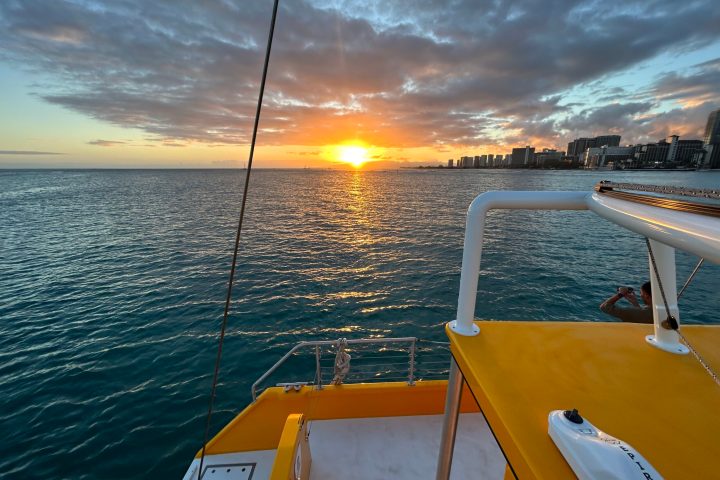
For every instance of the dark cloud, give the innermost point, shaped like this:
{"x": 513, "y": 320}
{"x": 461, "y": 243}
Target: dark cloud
{"x": 614, "y": 118}
{"x": 27, "y": 152}
{"x": 701, "y": 84}
{"x": 106, "y": 143}
{"x": 401, "y": 73}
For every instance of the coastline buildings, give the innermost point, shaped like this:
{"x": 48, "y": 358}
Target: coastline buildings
{"x": 604, "y": 151}
{"x": 668, "y": 152}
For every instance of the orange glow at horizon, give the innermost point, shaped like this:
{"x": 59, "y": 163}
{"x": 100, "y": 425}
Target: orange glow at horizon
{"x": 355, "y": 155}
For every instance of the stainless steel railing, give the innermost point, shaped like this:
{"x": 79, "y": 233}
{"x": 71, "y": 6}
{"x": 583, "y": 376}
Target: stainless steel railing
{"x": 394, "y": 359}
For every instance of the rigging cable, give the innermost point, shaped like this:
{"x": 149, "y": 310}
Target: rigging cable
{"x": 690, "y": 278}
{"x": 237, "y": 235}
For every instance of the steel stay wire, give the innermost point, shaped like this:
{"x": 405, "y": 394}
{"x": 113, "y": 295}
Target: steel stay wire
{"x": 690, "y": 278}
{"x": 237, "y": 235}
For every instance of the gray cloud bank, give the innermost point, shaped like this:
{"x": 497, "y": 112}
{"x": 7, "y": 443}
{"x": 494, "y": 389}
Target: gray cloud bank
{"x": 27, "y": 152}
{"x": 400, "y": 73}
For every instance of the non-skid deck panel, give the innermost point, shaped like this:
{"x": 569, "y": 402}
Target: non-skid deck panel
{"x": 401, "y": 448}
{"x": 664, "y": 405}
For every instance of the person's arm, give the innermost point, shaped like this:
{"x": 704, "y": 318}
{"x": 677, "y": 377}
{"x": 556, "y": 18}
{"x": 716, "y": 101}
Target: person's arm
{"x": 631, "y": 314}
{"x": 608, "y": 306}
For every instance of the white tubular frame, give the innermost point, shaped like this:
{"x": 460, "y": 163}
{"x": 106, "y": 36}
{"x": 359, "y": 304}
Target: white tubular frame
{"x": 475, "y": 229}
{"x": 667, "y": 230}
{"x": 693, "y": 233}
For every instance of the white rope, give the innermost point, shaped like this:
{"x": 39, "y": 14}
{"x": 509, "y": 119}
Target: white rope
{"x": 342, "y": 363}
{"x": 697, "y": 356}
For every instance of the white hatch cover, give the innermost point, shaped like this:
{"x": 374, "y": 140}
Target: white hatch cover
{"x": 229, "y": 471}
{"x": 592, "y": 453}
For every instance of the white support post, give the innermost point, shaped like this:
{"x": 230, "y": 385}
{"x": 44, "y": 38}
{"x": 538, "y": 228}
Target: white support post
{"x": 664, "y": 339}
{"x": 450, "y": 421}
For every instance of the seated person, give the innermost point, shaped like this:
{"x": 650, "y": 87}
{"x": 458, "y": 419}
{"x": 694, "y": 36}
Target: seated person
{"x": 635, "y": 313}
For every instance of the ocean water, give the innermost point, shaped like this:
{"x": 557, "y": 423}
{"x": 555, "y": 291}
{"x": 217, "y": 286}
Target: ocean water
{"x": 112, "y": 286}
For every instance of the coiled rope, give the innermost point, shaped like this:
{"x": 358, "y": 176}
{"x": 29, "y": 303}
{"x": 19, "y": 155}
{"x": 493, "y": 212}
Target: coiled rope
{"x": 237, "y": 236}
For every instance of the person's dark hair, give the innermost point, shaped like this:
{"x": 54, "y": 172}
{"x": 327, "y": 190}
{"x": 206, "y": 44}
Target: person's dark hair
{"x": 646, "y": 288}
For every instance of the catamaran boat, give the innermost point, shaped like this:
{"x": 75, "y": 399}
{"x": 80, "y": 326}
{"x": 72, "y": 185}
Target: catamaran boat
{"x": 524, "y": 400}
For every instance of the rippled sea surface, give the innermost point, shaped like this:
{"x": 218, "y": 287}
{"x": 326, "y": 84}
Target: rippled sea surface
{"x": 112, "y": 286}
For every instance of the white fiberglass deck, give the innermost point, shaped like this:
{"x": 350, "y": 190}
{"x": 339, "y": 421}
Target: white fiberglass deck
{"x": 375, "y": 448}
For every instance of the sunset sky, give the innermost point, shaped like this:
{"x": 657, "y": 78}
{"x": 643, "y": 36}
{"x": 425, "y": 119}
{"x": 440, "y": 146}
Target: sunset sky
{"x": 138, "y": 83}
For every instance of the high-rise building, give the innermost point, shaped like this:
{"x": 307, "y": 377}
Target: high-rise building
{"x": 522, "y": 157}
{"x": 598, "y": 157}
{"x": 712, "y": 155}
{"x": 577, "y": 147}
{"x": 686, "y": 150}
{"x": 548, "y": 157}
{"x": 652, "y": 154}
{"x": 606, "y": 141}
{"x": 476, "y": 162}
{"x": 672, "y": 149}
{"x": 450, "y": 163}
{"x": 712, "y": 129}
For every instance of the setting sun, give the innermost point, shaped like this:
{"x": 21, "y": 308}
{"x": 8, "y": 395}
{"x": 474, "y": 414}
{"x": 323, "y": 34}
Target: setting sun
{"x": 352, "y": 154}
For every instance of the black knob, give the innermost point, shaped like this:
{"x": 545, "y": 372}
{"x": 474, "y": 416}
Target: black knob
{"x": 573, "y": 416}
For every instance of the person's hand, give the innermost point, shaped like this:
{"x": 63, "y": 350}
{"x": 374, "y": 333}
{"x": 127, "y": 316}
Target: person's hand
{"x": 632, "y": 299}
{"x": 622, "y": 291}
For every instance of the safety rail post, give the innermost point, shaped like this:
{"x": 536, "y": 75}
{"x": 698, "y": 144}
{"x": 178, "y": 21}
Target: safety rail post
{"x": 318, "y": 370}
{"x": 411, "y": 371}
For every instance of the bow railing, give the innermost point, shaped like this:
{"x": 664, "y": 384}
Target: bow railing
{"x": 322, "y": 362}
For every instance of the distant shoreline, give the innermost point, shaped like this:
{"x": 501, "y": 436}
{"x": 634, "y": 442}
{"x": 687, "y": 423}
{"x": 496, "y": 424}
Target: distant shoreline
{"x": 566, "y": 169}
{"x": 240, "y": 169}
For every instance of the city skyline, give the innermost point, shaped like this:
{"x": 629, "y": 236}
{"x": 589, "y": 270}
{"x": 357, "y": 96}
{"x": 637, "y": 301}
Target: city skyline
{"x": 168, "y": 84}
{"x": 670, "y": 150}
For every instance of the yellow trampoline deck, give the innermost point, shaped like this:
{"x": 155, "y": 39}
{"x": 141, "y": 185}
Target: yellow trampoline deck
{"x": 665, "y": 405}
